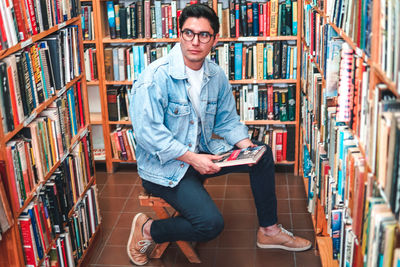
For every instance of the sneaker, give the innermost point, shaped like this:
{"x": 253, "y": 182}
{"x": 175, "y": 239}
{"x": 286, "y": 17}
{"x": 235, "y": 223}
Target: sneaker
{"x": 137, "y": 245}
{"x": 282, "y": 240}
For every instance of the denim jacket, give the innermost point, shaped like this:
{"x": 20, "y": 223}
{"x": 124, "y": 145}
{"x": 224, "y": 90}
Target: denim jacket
{"x": 165, "y": 123}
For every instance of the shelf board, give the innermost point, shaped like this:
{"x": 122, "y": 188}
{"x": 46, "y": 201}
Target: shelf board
{"x": 285, "y": 162}
{"x": 118, "y": 82}
{"x": 89, "y": 41}
{"x": 108, "y": 40}
{"x": 383, "y": 77}
{"x": 124, "y": 161}
{"x": 268, "y": 122}
{"x": 95, "y": 118}
{"x": 89, "y": 83}
{"x": 6, "y": 52}
{"x": 257, "y": 38}
{"x": 120, "y": 122}
{"x": 325, "y": 251}
{"x": 36, "y": 112}
{"x": 255, "y": 81}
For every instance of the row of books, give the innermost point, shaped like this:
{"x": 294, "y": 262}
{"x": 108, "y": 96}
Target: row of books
{"x": 144, "y": 19}
{"x": 33, "y": 155}
{"x": 91, "y": 71}
{"x": 245, "y": 18}
{"x": 30, "y": 77}
{"x": 44, "y": 220}
{"x": 21, "y": 19}
{"x": 118, "y": 102}
{"x": 280, "y": 138}
{"x": 270, "y": 60}
{"x": 123, "y": 144}
{"x": 87, "y": 19}
{"x": 257, "y": 102}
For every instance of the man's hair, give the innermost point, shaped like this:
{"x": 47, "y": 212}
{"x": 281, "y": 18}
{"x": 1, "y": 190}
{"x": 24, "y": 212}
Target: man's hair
{"x": 200, "y": 11}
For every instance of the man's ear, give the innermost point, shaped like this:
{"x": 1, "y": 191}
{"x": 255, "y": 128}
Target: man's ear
{"x": 216, "y": 39}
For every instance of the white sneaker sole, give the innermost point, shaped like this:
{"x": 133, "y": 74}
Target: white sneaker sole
{"x": 283, "y": 247}
{"x": 130, "y": 239}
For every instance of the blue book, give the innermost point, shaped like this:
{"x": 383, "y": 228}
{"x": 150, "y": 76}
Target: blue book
{"x": 336, "y": 231}
{"x": 141, "y": 54}
{"x": 157, "y": 6}
{"x": 36, "y": 234}
{"x": 238, "y": 60}
{"x": 111, "y": 19}
{"x": 265, "y": 63}
{"x": 115, "y": 63}
{"x": 136, "y": 61}
{"x": 256, "y": 19}
{"x": 71, "y": 107}
{"x": 33, "y": 87}
{"x": 295, "y": 62}
{"x": 289, "y": 50}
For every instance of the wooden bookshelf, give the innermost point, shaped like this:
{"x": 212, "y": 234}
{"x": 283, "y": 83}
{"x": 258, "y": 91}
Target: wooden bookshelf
{"x": 11, "y": 250}
{"x": 376, "y": 76}
{"x": 104, "y": 40}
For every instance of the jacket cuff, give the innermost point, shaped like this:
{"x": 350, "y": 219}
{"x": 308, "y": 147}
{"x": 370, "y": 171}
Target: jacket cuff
{"x": 173, "y": 151}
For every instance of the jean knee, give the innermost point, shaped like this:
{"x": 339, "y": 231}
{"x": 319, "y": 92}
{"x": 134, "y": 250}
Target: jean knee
{"x": 210, "y": 228}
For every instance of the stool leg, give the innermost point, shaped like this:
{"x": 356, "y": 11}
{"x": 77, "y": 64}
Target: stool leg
{"x": 189, "y": 252}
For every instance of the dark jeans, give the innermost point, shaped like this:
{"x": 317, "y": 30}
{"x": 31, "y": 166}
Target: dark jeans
{"x": 200, "y": 219}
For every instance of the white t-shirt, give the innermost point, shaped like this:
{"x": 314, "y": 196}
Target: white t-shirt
{"x": 195, "y": 78}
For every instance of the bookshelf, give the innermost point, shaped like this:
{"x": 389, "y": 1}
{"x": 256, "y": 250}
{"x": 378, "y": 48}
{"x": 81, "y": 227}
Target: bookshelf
{"x": 46, "y": 129}
{"x": 104, "y": 41}
{"x": 349, "y": 154}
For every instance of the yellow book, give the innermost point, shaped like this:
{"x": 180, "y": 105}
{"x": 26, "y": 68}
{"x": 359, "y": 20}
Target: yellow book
{"x": 274, "y": 18}
{"x": 260, "y": 60}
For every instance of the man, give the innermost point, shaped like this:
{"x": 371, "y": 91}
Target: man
{"x": 177, "y": 104}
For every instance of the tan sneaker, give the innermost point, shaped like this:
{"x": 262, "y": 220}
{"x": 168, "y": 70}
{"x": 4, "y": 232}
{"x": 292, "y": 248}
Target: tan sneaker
{"x": 282, "y": 240}
{"x": 137, "y": 244}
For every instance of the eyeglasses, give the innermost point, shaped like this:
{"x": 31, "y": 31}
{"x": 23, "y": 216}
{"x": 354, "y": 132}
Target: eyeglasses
{"x": 204, "y": 37}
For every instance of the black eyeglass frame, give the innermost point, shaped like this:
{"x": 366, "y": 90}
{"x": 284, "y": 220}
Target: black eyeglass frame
{"x": 183, "y": 32}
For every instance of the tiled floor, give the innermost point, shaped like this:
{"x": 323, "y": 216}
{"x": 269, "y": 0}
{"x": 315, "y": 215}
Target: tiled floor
{"x": 235, "y": 247}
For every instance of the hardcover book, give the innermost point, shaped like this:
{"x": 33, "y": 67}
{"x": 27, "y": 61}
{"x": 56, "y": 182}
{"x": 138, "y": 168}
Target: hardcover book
{"x": 249, "y": 155}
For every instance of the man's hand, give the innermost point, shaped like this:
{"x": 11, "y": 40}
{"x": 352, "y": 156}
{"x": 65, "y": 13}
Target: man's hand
{"x": 203, "y": 163}
{"x": 244, "y": 143}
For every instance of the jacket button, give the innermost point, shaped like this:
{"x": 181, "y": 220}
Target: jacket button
{"x": 182, "y": 165}
{"x": 191, "y": 122}
{"x": 190, "y": 145}
{"x": 170, "y": 182}
{"x": 176, "y": 111}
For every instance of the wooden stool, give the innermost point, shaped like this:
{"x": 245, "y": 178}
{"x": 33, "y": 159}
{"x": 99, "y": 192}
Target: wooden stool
{"x": 160, "y": 207}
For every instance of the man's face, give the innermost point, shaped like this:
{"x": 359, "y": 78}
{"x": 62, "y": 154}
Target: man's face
{"x": 194, "y": 51}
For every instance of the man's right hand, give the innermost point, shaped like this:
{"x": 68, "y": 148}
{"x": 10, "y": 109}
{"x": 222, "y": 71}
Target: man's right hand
{"x": 203, "y": 163}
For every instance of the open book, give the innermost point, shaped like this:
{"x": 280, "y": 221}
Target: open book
{"x": 249, "y": 155}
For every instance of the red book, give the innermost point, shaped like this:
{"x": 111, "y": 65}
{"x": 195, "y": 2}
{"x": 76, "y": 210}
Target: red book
{"x": 42, "y": 235}
{"x": 2, "y": 31}
{"x": 27, "y": 240}
{"x": 261, "y": 20}
{"x": 12, "y": 95}
{"x": 170, "y": 30}
{"x": 270, "y": 103}
{"x": 22, "y": 31}
{"x": 268, "y": 19}
{"x": 32, "y": 16}
{"x": 278, "y": 145}
{"x": 86, "y": 151}
{"x": 166, "y": 21}
{"x": 237, "y": 20}
{"x": 284, "y": 144}
{"x": 178, "y": 13}
{"x": 80, "y": 104}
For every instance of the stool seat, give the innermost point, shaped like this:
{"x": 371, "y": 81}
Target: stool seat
{"x": 160, "y": 206}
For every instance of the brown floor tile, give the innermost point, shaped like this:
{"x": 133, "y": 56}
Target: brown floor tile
{"x": 285, "y": 220}
{"x": 112, "y": 190}
{"x": 216, "y": 191}
{"x": 274, "y": 257}
{"x": 235, "y": 257}
{"x": 281, "y": 192}
{"x": 298, "y": 205}
{"x": 238, "y": 179}
{"x": 109, "y": 218}
{"x": 280, "y": 178}
{"x": 101, "y": 177}
{"x": 123, "y": 178}
{"x": 294, "y": 180}
{"x": 309, "y": 258}
{"x": 238, "y": 239}
{"x": 302, "y": 221}
{"x": 209, "y": 244}
{"x": 220, "y": 204}
{"x": 283, "y": 206}
{"x": 239, "y": 192}
{"x": 297, "y": 191}
{"x": 119, "y": 237}
{"x": 125, "y": 220}
{"x": 114, "y": 204}
{"x": 206, "y": 255}
{"x": 133, "y": 205}
{"x": 239, "y": 206}
{"x": 219, "y": 180}
{"x": 238, "y": 221}
{"x": 115, "y": 256}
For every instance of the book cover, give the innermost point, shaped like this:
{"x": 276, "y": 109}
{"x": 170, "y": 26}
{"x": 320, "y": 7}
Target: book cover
{"x": 249, "y": 155}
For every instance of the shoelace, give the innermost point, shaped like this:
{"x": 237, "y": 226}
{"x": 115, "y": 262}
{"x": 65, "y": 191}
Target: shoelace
{"x": 285, "y": 231}
{"x": 144, "y": 244}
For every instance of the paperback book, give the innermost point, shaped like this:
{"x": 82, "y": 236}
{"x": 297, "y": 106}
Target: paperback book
{"x": 249, "y": 155}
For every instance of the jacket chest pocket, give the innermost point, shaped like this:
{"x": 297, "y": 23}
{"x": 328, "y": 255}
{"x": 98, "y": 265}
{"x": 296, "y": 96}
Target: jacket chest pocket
{"x": 177, "y": 118}
{"x": 178, "y": 109}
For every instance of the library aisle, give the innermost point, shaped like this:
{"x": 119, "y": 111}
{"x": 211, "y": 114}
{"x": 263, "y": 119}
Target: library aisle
{"x": 235, "y": 247}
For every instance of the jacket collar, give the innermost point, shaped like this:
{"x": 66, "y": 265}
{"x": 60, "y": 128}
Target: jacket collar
{"x": 177, "y": 65}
